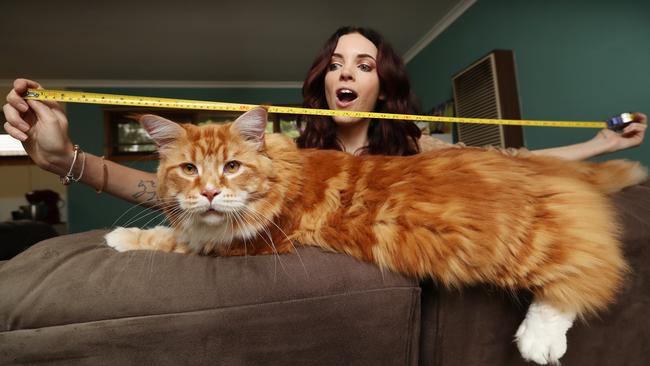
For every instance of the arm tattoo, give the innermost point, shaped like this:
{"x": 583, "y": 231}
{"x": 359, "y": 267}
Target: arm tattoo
{"x": 147, "y": 191}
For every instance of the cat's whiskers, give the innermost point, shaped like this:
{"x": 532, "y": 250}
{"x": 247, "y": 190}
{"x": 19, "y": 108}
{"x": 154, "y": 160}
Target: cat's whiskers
{"x": 176, "y": 218}
{"x": 148, "y": 209}
{"x": 158, "y": 214}
{"x": 238, "y": 218}
{"x": 241, "y": 222}
{"x": 144, "y": 215}
{"x": 133, "y": 207}
{"x": 184, "y": 218}
{"x": 157, "y": 206}
{"x": 265, "y": 201}
{"x": 164, "y": 211}
{"x": 262, "y": 218}
{"x": 230, "y": 218}
{"x": 270, "y": 243}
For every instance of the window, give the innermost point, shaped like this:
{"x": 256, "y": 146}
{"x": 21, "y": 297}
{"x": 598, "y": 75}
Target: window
{"x": 288, "y": 124}
{"x": 125, "y": 138}
{"x": 10, "y": 148}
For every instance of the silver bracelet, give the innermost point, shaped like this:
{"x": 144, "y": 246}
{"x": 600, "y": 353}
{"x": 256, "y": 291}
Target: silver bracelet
{"x": 69, "y": 178}
{"x": 83, "y": 165}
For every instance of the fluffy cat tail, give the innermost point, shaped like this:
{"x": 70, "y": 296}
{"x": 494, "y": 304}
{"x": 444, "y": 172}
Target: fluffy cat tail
{"x": 613, "y": 175}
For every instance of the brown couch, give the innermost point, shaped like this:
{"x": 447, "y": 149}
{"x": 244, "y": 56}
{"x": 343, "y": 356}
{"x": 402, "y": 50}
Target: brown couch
{"x": 72, "y": 300}
{"x": 18, "y": 235}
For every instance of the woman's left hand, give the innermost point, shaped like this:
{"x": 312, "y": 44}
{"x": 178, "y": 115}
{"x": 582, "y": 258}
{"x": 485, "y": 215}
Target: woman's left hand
{"x": 631, "y": 136}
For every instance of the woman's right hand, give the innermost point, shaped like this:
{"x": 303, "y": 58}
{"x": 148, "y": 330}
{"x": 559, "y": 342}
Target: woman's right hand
{"x": 42, "y": 127}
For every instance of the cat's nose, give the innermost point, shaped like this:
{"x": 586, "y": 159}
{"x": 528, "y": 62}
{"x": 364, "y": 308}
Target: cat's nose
{"x": 210, "y": 193}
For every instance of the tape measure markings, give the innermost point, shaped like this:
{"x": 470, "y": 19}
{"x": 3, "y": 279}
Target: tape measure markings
{"x": 127, "y": 100}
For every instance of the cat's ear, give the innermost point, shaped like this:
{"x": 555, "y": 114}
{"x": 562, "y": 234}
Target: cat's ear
{"x": 251, "y": 126}
{"x": 161, "y": 130}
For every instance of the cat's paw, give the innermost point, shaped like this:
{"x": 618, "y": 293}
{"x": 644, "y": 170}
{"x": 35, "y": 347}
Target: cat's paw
{"x": 539, "y": 345}
{"x": 160, "y": 238}
{"x": 124, "y": 239}
{"x": 541, "y": 337}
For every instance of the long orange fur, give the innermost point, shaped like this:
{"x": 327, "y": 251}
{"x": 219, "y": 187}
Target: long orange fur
{"x": 461, "y": 216}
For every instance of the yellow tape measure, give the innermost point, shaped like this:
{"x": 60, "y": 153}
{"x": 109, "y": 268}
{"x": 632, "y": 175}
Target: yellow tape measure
{"x": 128, "y": 100}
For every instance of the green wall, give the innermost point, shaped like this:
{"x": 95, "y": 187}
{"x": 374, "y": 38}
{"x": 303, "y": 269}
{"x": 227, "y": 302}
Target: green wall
{"x": 576, "y": 60}
{"x": 88, "y": 210}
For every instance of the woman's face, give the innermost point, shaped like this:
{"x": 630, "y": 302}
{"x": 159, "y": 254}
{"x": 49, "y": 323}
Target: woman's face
{"x": 351, "y": 81}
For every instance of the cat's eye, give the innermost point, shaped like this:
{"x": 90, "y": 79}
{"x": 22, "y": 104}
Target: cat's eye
{"x": 231, "y": 167}
{"x": 189, "y": 169}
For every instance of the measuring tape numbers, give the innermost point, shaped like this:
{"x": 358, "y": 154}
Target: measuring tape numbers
{"x": 152, "y": 102}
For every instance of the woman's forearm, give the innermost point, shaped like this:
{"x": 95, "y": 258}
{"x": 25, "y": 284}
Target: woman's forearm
{"x": 603, "y": 142}
{"x": 127, "y": 183}
{"x": 580, "y": 151}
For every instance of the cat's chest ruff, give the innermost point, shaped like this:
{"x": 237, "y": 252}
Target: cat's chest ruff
{"x": 202, "y": 237}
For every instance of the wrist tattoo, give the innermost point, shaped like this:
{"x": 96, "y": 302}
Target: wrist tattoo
{"x": 147, "y": 191}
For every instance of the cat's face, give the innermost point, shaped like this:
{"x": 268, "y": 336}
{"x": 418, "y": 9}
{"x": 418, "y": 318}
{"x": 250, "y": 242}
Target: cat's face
{"x": 214, "y": 172}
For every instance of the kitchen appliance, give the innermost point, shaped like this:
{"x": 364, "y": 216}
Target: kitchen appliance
{"x": 43, "y": 206}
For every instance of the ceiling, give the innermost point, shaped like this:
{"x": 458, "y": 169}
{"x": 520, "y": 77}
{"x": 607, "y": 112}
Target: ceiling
{"x": 192, "y": 42}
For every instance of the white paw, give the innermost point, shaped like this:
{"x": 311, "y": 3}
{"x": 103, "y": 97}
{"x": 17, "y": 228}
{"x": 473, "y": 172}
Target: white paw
{"x": 541, "y": 337}
{"x": 123, "y": 239}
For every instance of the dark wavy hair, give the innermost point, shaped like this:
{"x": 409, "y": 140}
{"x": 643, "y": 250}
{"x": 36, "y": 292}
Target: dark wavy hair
{"x": 385, "y": 137}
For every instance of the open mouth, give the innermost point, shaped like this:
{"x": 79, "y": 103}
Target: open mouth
{"x": 345, "y": 97}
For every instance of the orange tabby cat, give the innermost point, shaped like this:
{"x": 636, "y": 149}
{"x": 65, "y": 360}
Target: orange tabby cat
{"x": 461, "y": 216}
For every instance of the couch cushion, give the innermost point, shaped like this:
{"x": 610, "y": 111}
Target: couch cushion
{"x": 74, "y": 300}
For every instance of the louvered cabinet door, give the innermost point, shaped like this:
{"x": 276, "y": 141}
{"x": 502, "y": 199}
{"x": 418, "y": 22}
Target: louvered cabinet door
{"x": 488, "y": 89}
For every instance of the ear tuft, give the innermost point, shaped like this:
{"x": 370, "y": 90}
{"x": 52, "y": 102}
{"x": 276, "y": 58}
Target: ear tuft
{"x": 251, "y": 126}
{"x": 161, "y": 130}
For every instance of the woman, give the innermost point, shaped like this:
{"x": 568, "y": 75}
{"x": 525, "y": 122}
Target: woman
{"x": 357, "y": 70}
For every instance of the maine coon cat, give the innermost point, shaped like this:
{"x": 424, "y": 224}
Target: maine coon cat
{"x": 461, "y": 216}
